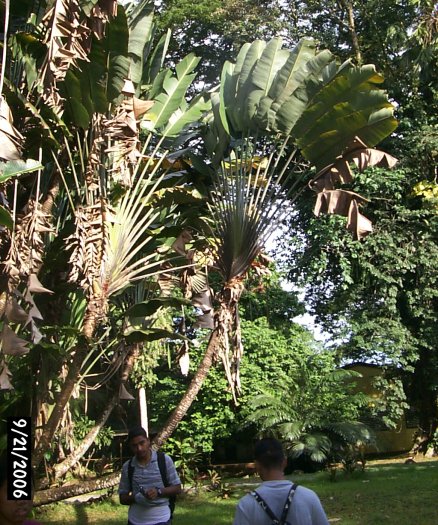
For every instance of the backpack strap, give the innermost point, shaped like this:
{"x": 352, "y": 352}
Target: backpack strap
{"x": 265, "y": 507}
{"x": 131, "y": 469}
{"x": 162, "y": 466}
{"x": 287, "y": 504}
{"x": 161, "y": 458}
{"x": 268, "y": 510}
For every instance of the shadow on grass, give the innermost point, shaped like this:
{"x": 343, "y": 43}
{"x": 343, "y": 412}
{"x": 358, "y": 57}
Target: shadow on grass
{"x": 81, "y": 515}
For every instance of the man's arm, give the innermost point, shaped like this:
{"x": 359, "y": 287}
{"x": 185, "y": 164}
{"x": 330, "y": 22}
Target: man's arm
{"x": 125, "y": 495}
{"x": 171, "y": 490}
{"x": 318, "y": 514}
{"x": 126, "y": 499}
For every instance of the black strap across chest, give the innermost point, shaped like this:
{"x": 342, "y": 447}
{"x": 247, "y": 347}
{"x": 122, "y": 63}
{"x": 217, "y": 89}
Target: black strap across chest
{"x": 268, "y": 510}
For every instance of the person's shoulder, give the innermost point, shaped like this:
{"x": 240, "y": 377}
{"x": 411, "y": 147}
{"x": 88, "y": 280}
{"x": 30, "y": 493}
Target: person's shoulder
{"x": 306, "y": 492}
{"x": 126, "y": 463}
{"x": 167, "y": 458}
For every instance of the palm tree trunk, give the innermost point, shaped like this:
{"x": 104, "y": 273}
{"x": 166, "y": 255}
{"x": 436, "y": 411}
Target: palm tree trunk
{"x": 43, "y": 497}
{"x": 74, "y": 368}
{"x": 62, "y": 468}
{"x": 62, "y": 399}
{"x": 195, "y": 385}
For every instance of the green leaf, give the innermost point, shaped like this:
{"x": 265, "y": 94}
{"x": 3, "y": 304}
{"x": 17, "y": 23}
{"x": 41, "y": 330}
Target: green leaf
{"x": 156, "y": 58}
{"x": 140, "y": 23}
{"x": 271, "y": 60}
{"x": 15, "y": 168}
{"x": 182, "y": 117}
{"x": 148, "y": 308}
{"x": 151, "y": 334}
{"x": 6, "y": 218}
{"x": 167, "y": 102}
{"x": 116, "y": 51}
{"x": 76, "y": 112}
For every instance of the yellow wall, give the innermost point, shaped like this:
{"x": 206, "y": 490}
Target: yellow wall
{"x": 397, "y": 440}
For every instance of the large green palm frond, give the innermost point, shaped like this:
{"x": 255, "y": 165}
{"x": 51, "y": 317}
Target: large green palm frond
{"x": 302, "y": 93}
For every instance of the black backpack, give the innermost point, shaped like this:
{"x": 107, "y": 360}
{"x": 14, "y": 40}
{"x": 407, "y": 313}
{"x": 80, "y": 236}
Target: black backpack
{"x": 163, "y": 471}
{"x": 267, "y": 508}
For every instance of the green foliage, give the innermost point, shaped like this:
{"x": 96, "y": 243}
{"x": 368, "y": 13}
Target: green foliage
{"x": 217, "y": 29}
{"x": 281, "y": 355}
{"x": 83, "y": 424}
{"x": 390, "y": 406}
{"x": 187, "y": 457}
{"x": 379, "y": 296}
{"x": 312, "y": 408}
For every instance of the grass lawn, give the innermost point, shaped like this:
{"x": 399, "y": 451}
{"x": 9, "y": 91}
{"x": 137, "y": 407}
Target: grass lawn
{"x": 390, "y": 493}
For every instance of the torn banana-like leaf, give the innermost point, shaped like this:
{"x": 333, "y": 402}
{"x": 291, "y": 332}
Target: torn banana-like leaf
{"x": 36, "y": 334}
{"x": 203, "y": 300}
{"x": 34, "y": 313}
{"x": 205, "y": 321}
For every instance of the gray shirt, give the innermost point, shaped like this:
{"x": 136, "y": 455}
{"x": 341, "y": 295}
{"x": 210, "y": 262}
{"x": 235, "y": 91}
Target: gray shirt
{"x": 144, "y": 511}
{"x": 305, "y": 509}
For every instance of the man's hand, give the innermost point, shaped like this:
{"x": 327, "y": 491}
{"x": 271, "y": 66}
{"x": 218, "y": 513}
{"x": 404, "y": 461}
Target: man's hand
{"x": 151, "y": 493}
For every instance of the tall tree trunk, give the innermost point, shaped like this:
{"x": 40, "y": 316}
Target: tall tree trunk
{"x": 348, "y": 5}
{"x": 43, "y": 497}
{"x": 74, "y": 368}
{"x": 62, "y": 399}
{"x": 62, "y": 468}
{"x": 195, "y": 385}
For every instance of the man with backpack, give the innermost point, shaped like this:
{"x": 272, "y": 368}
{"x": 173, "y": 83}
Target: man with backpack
{"x": 149, "y": 482}
{"x": 277, "y": 501}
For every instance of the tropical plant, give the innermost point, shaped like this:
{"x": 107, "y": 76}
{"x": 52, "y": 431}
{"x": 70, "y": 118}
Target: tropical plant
{"x": 313, "y": 410}
{"x": 90, "y": 223}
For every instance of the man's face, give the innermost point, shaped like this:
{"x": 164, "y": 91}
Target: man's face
{"x": 13, "y": 512}
{"x": 141, "y": 447}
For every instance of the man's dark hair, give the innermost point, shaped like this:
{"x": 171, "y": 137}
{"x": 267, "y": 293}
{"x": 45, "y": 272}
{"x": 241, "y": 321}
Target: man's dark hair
{"x": 135, "y": 432}
{"x": 269, "y": 453}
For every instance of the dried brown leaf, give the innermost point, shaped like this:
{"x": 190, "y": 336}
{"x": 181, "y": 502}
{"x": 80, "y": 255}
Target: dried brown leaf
{"x": 141, "y": 107}
{"x": 124, "y": 394}
{"x": 35, "y": 286}
{"x": 14, "y": 312}
{"x": 357, "y": 223}
{"x": 11, "y": 343}
{"x": 5, "y": 375}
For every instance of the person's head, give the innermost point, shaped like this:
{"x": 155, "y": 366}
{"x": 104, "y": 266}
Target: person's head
{"x": 12, "y": 512}
{"x": 269, "y": 457}
{"x": 139, "y": 443}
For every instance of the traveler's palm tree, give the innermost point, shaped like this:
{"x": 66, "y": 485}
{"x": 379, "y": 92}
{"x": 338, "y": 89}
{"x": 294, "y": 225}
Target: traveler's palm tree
{"x": 275, "y": 114}
{"x": 78, "y": 94}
